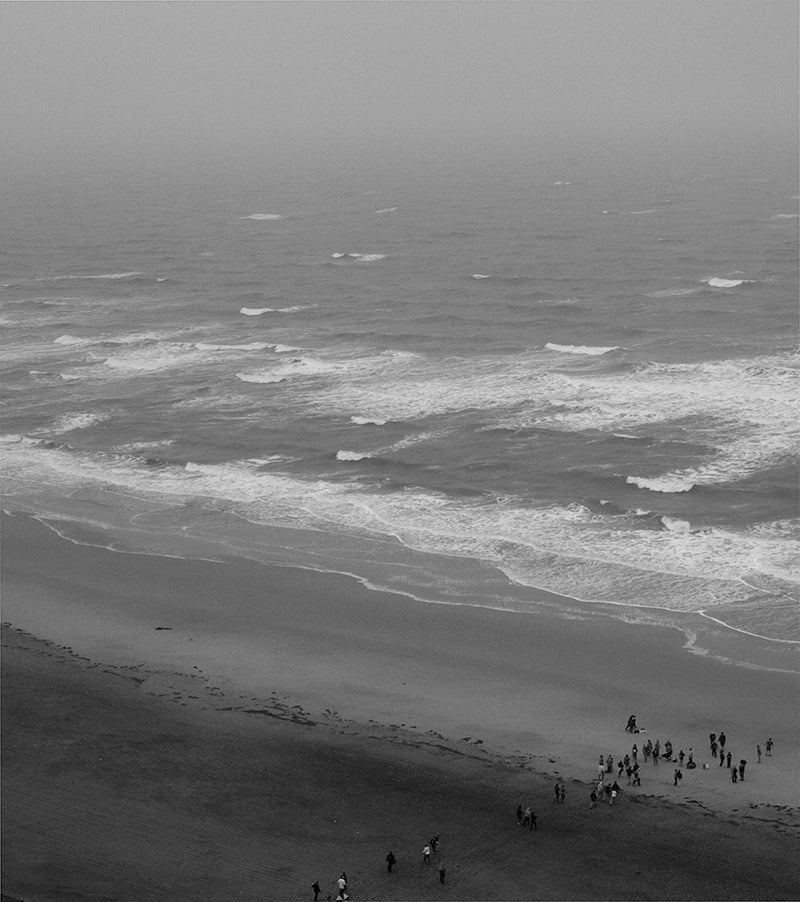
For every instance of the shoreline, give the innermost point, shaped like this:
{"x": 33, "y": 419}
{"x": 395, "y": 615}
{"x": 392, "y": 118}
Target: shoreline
{"x": 520, "y": 699}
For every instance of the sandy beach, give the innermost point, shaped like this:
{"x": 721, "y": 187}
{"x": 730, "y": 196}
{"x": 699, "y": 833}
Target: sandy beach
{"x": 178, "y": 729}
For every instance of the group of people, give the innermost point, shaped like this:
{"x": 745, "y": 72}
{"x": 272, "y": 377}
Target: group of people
{"x": 430, "y": 848}
{"x": 527, "y": 818}
{"x": 653, "y": 751}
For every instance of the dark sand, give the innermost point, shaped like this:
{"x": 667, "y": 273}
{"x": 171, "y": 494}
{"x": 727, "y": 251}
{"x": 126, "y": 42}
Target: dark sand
{"x": 284, "y": 726}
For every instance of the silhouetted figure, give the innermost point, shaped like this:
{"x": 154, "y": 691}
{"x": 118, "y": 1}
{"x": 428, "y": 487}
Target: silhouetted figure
{"x": 442, "y": 872}
{"x": 728, "y": 759}
{"x": 390, "y": 862}
{"x": 519, "y": 814}
{"x": 768, "y": 747}
{"x": 316, "y": 889}
{"x": 758, "y": 752}
{"x": 722, "y": 740}
{"x": 742, "y": 766}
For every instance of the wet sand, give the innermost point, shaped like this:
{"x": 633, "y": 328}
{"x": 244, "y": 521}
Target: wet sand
{"x": 181, "y": 729}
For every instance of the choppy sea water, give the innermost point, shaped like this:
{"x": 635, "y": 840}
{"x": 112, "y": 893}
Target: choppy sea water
{"x": 456, "y": 383}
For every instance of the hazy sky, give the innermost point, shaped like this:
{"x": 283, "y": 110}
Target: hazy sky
{"x": 85, "y": 79}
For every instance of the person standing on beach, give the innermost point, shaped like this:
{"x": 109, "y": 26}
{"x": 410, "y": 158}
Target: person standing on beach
{"x": 721, "y": 757}
{"x": 722, "y": 740}
{"x": 442, "y": 872}
{"x": 557, "y": 790}
{"x": 728, "y": 759}
{"x": 519, "y": 814}
{"x": 609, "y": 764}
{"x": 742, "y": 766}
{"x": 677, "y": 776}
{"x": 562, "y": 793}
{"x": 592, "y": 800}
{"x": 734, "y": 775}
{"x": 426, "y": 854}
{"x": 714, "y": 749}
{"x": 768, "y": 747}
{"x": 527, "y": 818}
{"x": 533, "y": 825}
{"x": 316, "y": 889}
{"x": 712, "y": 739}
{"x": 390, "y": 860}
{"x": 758, "y": 752}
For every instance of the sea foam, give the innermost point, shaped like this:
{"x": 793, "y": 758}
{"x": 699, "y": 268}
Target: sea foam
{"x": 580, "y": 349}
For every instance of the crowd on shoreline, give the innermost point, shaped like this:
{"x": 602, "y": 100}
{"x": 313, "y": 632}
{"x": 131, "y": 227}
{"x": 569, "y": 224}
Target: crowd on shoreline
{"x": 602, "y": 790}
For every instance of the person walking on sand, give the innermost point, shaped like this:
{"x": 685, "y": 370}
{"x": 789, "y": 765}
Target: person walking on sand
{"x": 758, "y": 752}
{"x": 742, "y": 766}
{"x": 533, "y": 825}
{"x": 728, "y": 759}
{"x": 712, "y": 739}
{"x": 681, "y": 756}
{"x": 637, "y": 779}
{"x": 557, "y": 790}
{"x": 592, "y": 800}
{"x": 768, "y": 746}
{"x": 714, "y": 749}
{"x": 734, "y": 775}
{"x": 519, "y": 814}
{"x": 442, "y": 872}
{"x": 527, "y": 818}
{"x": 390, "y": 861}
{"x": 677, "y": 776}
{"x": 613, "y": 796}
{"x": 721, "y": 757}
{"x": 316, "y": 889}
{"x": 426, "y": 854}
{"x": 722, "y": 740}
{"x": 562, "y": 793}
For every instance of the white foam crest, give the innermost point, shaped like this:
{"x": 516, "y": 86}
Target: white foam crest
{"x": 106, "y": 275}
{"x": 256, "y": 311}
{"x": 283, "y": 349}
{"x": 263, "y": 378}
{"x": 566, "y": 549}
{"x": 719, "y": 282}
{"x": 384, "y": 210}
{"x": 580, "y": 349}
{"x": 263, "y": 216}
{"x": 480, "y": 275}
{"x": 154, "y": 358}
{"x": 70, "y": 422}
{"x": 675, "y": 524}
{"x": 354, "y": 455}
{"x": 668, "y": 484}
{"x": 138, "y": 447}
{"x": 358, "y": 257}
{"x": 368, "y": 421}
{"x": 71, "y": 340}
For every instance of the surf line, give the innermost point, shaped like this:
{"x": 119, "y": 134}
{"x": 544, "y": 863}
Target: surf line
{"x": 736, "y": 629}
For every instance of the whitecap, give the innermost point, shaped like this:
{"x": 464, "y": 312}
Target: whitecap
{"x": 718, "y": 282}
{"x": 668, "y": 484}
{"x": 385, "y": 210}
{"x": 255, "y": 311}
{"x": 368, "y": 421}
{"x": 70, "y": 422}
{"x": 261, "y": 378}
{"x": 353, "y": 455}
{"x": 580, "y": 349}
{"x": 359, "y": 258}
{"x": 71, "y": 340}
{"x": 480, "y": 275}
{"x": 262, "y": 216}
{"x": 282, "y": 349}
{"x": 675, "y": 524}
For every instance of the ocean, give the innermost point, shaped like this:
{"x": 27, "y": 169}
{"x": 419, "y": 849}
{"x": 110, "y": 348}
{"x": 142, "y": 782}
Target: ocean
{"x": 463, "y": 381}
